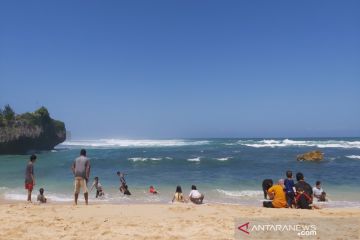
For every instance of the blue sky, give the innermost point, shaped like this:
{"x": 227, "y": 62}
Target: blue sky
{"x": 169, "y": 69}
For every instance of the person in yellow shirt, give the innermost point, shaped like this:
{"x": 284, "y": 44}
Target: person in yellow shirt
{"x": 278, "y": 196}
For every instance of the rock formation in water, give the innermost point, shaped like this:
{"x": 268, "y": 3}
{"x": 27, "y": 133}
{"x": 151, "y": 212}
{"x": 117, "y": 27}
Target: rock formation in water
{"x": 29, "y": 132}
{"x": 311, "y": 156}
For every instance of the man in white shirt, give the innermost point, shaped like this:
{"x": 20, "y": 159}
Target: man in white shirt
{"x": 195, "y": 196}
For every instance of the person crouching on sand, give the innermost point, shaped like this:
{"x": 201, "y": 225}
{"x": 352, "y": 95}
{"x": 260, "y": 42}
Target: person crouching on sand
{"x": 30, "y": 177}
{"x": 195, "y": 196}
{"x": 97, "y": 185}
{"x": 278, "y": 196}
{"x": 41, "y": 197}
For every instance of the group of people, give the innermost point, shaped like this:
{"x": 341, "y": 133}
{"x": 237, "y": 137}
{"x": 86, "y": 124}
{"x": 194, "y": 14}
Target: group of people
{"x": 81, "y": 170}
{"x": 195, "y": 196}
{"x": 30, "y": 181}
{"x": 284, "y": 194}
{"x": 287, "y": 194}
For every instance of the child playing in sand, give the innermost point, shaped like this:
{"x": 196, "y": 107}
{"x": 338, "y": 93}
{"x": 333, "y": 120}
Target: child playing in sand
{"x": 98, "y": 187}
{"x": 41, "y": 198}
{"x": 289, "y": 189}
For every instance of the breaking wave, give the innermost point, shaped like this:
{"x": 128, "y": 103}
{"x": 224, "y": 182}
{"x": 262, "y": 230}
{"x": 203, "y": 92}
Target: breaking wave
{"x": 140, "y": 159}
{"x": 197, "y": 159}
{"x": 353, "y": 156}
{"x": 52, "y": 197}
{"x": 103, "y": 143}
{"x": 299, "y": 143}
{"x": 245, "y": 193}
{"x": 223, "y": 159}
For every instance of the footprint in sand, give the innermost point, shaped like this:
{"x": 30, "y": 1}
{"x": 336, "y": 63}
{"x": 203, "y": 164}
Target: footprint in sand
{"x": 105, "y": 233}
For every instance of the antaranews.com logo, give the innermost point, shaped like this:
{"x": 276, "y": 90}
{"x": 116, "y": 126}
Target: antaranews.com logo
{"x": 298, "y": 229}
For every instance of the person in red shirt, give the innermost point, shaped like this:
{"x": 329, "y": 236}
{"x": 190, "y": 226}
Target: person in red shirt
{"x": 152, "y": 190}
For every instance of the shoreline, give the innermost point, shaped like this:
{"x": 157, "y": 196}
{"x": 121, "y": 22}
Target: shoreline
{"x": 99, "y": 203}
{"x": 143, "y": 221}
{"x": 255, "y": 203}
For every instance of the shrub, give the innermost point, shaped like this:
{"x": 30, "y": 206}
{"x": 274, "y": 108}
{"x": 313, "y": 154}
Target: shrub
{"x": 8, "y": 114}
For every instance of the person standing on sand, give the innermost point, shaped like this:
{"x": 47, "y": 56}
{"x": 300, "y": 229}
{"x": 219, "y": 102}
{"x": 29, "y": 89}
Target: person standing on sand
{"x": 81, "y": 171}
{"x": 30, "y": 177}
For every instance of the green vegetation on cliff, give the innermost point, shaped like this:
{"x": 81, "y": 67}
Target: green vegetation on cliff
{"x": 29, "y": 131}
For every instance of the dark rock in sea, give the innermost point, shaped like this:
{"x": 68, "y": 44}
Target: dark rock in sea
{"x": 29, "y": 132}
{"x": 311, "y": 156}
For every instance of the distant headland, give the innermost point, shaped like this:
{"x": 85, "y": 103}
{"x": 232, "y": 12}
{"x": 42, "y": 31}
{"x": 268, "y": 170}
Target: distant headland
{"x": 29, "y": 132}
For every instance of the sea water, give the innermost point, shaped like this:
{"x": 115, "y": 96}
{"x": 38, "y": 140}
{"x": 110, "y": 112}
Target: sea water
{"x": 226, "y": 170}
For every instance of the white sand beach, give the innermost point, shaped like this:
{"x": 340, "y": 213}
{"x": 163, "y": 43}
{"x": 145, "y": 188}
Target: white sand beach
{"x": 143, "y": 221}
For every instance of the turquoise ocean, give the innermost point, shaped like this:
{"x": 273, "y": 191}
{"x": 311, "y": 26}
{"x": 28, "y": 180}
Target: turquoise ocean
{"x": 226, "y": 170}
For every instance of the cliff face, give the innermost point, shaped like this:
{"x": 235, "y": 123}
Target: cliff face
{"x": 31, "y": 132}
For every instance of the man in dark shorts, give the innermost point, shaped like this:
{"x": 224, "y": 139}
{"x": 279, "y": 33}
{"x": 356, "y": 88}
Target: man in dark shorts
{"x": 81, "y": 171}
{"x": 30, "y": 177}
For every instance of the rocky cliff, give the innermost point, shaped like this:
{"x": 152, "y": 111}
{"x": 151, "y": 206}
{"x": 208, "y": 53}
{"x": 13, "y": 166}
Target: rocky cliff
{"x": 29, "y": 132}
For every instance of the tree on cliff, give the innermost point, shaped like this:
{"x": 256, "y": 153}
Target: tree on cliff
{"x": 1, "y": 117}
{"x": 43, "y": 114}
{"x": 8, "y": 113}
{"x": 30, "y": 131}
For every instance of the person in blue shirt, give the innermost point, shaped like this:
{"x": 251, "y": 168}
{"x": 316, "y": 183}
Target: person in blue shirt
{"x": 289, "y": 188}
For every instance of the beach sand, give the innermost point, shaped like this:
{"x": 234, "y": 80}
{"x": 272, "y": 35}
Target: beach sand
{"x": 143, "y": 221}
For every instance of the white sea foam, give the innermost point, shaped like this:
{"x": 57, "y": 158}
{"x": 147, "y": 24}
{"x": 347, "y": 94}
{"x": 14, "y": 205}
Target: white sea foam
{"x": 353, "y": 156}
{"x": 140, "y": 159}
{"x": 299, "y": 143}
{"x": 137, "y": 159}
{"x": 223, "y": 159}
{"x": 104, "y": 143}
{"x": 50, "y": 197}
{"x": 244, "y": 193}
{"x": 197, "y": 159}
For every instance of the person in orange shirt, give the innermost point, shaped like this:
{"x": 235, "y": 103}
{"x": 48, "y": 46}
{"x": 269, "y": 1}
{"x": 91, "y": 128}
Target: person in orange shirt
{"x": 278, "y": 196}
